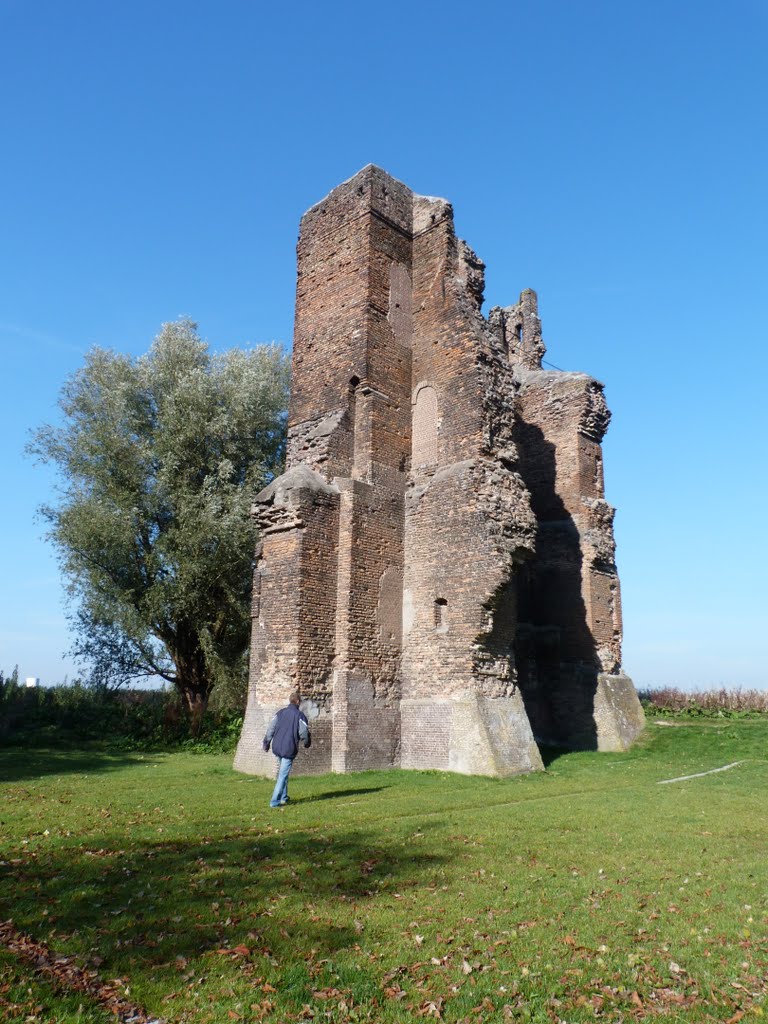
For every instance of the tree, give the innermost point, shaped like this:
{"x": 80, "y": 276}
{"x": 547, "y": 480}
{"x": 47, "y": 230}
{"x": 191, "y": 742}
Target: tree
{"x": 9, "y": 685}
{"x": 159, "y": 458}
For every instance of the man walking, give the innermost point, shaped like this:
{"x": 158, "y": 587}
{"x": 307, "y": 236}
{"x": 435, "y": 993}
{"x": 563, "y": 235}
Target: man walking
{"x": 285, "y": 730}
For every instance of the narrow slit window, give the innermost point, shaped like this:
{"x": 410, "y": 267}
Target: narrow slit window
{"x": 256, "y": 596}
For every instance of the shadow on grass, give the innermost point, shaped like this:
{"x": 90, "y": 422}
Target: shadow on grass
{"x": 334, "y": 794}
{"x": 152, "y": 906}
{"x": 550, "y": 754}
{"x": 19, "y": 764}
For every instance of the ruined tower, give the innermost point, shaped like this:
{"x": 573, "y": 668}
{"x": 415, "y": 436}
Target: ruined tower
{"x": 436, "y": 570}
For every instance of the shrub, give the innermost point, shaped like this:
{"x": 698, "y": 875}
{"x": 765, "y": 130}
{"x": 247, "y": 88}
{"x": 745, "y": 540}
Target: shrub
{"x": 129, "y": 719}
{"x": 720, "y": 703}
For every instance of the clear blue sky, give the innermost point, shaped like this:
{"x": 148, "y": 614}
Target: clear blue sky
{"x": 157, "y": 158}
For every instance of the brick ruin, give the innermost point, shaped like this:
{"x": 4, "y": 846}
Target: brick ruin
{"x": 436, "y": 567}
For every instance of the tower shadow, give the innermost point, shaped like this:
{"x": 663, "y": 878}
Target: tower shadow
{"x": 554, "y": 649}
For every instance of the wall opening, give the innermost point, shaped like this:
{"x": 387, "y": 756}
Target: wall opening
{"x": 256, "y": 595}
{"x": 441, "y": 615}
{"x": 354, "y": 383}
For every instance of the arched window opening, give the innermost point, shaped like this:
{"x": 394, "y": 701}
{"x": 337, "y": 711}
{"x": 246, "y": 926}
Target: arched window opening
{"x": 441, "y": 615}
{"x": 352, "y": 401}
{"x": 424, "y": 445}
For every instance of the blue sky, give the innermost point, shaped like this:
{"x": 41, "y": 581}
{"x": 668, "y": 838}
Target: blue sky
{"x": 157, "y": 158}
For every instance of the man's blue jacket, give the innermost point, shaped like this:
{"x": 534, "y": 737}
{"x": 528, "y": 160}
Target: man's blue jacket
{"x": 285, "y": 730}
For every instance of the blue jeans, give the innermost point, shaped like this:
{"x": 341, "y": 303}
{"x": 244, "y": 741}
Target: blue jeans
{"x": 280, "y": 794}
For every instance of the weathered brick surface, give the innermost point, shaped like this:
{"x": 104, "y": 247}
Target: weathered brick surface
{"x": 437, "y": 566}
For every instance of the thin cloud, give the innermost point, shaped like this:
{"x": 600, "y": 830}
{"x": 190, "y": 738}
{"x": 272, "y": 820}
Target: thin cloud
{"x": 36, "y": 337}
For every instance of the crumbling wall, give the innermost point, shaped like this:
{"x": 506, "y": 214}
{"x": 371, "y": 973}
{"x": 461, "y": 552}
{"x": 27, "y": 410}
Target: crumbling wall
{"x": 468, "y": 522}
{"x": 569, "y": 598}
{"x": 293, "y": 620}
{"x": 437, "y": 566}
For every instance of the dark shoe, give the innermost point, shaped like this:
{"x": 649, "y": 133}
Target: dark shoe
{"x": 286, "y": 801}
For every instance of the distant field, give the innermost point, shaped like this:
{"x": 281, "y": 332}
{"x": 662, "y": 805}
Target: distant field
{"x": 723, "y": 703}
{"x": 588, "y": 892}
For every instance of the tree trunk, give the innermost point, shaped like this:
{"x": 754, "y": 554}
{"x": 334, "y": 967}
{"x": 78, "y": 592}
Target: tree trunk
{"x": 195, "y": 703}
{"x": 194, "y": 684}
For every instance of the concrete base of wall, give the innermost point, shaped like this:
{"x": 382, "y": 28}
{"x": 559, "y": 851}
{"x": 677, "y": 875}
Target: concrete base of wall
{"x": 366, "y": 731}
{"x": 619, "y": 717}
{"x": 360, "y": 737}
{"x": 251, "y": 759}
{"x": 471, "y": 735}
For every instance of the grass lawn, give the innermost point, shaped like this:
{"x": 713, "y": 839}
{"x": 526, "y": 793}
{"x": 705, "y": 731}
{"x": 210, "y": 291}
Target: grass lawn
{"x": 584, "y": 892}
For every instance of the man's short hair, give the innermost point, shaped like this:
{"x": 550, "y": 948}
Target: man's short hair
{"x": 295, "y": 697}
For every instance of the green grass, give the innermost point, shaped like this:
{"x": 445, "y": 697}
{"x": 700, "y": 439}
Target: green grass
{"x": 586, "y": 892}
{"x": 25, "y": 998}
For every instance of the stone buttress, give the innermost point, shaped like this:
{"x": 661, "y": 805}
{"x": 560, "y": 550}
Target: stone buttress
{"x": 436, "y": 567}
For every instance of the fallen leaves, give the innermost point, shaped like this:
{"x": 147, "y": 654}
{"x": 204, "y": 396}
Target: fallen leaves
{"x": 66, "y": 974}
{"x": 431, "y": 1008}
{"x": 234, "y": 951}
{"x": 394, "y": 991}
{"x": 326, "y": 993}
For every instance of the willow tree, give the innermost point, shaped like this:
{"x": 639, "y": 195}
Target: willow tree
{"x": 159, "y": 458}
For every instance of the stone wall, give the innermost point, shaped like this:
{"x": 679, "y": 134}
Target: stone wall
{"x": 437, "y": 566}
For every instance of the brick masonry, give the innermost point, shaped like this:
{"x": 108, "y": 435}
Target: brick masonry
{"x": 436, "y": 567}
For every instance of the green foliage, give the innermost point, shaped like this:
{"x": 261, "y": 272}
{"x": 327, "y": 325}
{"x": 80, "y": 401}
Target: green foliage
{"x": 671, "y": 702}
{"x": 142, "y": 720}
{"x": 585, "y": 892}
{"x": 10, "y": 687}
{"x": 219, "y": 735}
{"x": 159, "y": 459}
{"x": 231, "y": 692}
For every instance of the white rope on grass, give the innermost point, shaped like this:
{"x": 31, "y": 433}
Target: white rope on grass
{"x": 699, "y": 775}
